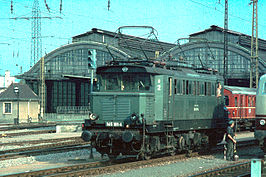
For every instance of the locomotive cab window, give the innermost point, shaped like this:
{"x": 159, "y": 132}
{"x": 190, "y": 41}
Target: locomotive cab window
{"x": 124, "y": 82}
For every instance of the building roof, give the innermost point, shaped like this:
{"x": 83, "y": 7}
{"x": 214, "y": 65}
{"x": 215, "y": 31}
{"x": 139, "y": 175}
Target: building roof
{"x": 244, "y": 38}
{"x": 129, "y": 41}
{"x": 215, "y": 28}
{"x": 25, "y": 93}
{"x": 116, "y": 35}
{"x": 241, "y": 90}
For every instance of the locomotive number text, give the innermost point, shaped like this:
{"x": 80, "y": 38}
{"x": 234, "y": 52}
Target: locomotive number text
{"x": 114, "y": 124}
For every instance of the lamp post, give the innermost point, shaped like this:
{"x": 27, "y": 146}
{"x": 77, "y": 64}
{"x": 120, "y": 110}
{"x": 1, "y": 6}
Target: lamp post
{"x": 16, "y": 90}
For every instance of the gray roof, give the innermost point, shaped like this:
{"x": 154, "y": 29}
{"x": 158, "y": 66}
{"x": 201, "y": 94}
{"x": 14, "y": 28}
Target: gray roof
{"x": 244, "y": 39}
{"x": 241, "y": 90}
{"x": 131, "y": 42}
{"x": 25, "y": 93}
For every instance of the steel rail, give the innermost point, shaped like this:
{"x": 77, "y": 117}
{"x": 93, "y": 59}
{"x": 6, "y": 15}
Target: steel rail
{"x": 42, "y": 150}
{"x": 26, "y": 133}
{"x": 241, "y": 168}
{"x": 39, "y": 141}
{"x": 97, "y": 168}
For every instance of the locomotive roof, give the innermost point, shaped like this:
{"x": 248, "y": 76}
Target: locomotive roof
{"x": 241, "y": 90}
{"x": 185, "y": 72}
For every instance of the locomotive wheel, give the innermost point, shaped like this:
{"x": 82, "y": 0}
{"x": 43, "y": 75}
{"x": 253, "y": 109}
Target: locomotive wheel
{"x": 189, "y": 152}
{"x": 146, "y": 156}
{"x": 172, "y": 153}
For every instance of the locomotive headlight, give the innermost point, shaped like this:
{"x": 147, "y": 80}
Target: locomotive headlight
{"x": 262, "y": 122}
{"x": 93, "y": 116}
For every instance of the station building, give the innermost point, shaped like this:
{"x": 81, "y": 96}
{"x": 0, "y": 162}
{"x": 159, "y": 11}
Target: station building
{"x": 68, "y": 70}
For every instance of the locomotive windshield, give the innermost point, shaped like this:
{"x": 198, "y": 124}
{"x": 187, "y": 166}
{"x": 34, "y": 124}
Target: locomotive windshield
{"x": 129, "y": 82}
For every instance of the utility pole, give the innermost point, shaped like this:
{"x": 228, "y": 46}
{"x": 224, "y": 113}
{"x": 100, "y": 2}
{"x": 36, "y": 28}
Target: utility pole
{"x": 36, "y": 41}
{"x": 254, "y": 76}
{"x": 42, "y": 89}
{"x": 225, "y": 41}
{"x": 36, "y": 46}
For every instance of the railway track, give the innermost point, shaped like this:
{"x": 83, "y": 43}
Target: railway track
{"x": 10, "y": 127}
{"x": 39, "y": 141}
{"x": 26, "y": 133}
{"x": 101, "y": 167}
{"x": 43, "y": 149}
{"x": 241, "y": 168}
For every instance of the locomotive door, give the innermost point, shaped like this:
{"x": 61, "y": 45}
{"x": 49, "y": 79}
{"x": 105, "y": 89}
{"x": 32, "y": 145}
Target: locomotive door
{"x": 170, "y": 100}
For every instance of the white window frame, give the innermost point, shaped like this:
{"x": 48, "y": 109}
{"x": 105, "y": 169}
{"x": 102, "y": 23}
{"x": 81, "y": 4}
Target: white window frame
{"x": 5, "y": 107}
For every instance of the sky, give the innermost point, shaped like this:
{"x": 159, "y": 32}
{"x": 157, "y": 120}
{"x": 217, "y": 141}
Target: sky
{"x": 172, "y": 19}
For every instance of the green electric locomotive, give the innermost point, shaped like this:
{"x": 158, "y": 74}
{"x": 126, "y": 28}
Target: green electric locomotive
{"x": 148, "y": 108}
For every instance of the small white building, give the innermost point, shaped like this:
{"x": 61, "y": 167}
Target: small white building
{"x": 6, "y": 80}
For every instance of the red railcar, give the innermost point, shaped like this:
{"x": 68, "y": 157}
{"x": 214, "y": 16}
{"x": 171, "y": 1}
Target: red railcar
{"x": 241, "y": 103}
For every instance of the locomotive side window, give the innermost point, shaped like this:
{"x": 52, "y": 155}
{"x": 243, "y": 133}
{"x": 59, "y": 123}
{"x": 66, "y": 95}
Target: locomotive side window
{"x": 264, "y": 89}
{"x": 205, "y": 88}
{"x": 208, "y": 89}
{"x": 184, "y": 87}
{"x": 202, "y": 89}
{"x": 194, "y": 85}
{"x": 178, "y": 87}
{"x": 175, "y": 86}
{"x": 198, "y": 88}
{"x": 188, "y": 87}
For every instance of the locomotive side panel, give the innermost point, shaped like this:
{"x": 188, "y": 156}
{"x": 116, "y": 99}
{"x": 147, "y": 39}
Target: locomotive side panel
{"x": 190, "y": 103}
